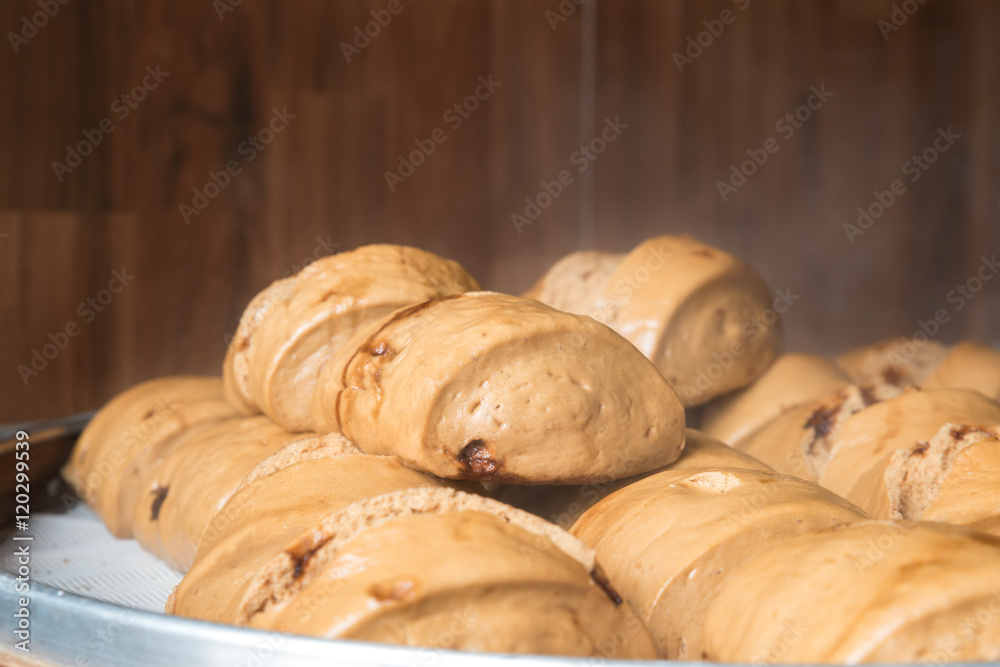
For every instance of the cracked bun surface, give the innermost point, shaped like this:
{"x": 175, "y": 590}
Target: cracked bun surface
{"x": 492, "y": 387}
{"x": 672, "y": 539}
{"x": 375, "y": 571}
{"x": 684, "y": 304}
{"x": 291, "y": 329}
{"x": 874, "y": 434}
{"x": 277, "y": 503}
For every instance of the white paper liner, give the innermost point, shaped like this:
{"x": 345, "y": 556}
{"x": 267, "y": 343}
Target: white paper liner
{"x": 74, "y": 552}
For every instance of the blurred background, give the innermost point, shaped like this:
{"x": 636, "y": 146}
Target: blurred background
{"x": 162, "y": 161}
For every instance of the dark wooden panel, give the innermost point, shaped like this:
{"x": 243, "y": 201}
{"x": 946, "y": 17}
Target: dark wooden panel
{"x": 890, "y": 97}
{"x": 534, "y": 132}
{"x": 319, "y": 186}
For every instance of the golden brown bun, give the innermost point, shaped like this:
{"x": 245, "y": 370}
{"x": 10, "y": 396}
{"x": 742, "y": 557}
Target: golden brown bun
{"x": 872, "y": 592}
{"x": 669, "y": 541}
{"x": 179, "y": 497}
{"x": 278, "y": 502}
{"x": 697, "y": 312}
{"x": 968, "y": 494}
{"x": 899, "y": 361}
{"x": 290, "y": 330}
{"x": 701, "y": 315}
{"x": 907, "y": 362}
{"x": 576, "y": 283}
{"x": 400, "y": 568}
{"x": 968, "y": 366}
{"x": 952, "y": 478}
{"x": 500, "y": 388}
{"x": 792, "y": 380}
{"x": 239, "y": 384}
{"x": 874, "y": 434}
{"x": 797, "y": 441}
{"x": 149, "y": 416}
{"x": 563, "y": 504}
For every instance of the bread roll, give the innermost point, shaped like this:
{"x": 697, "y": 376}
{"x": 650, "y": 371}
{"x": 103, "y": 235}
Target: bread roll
{"x": 690, "y": 317}
{"x": 900, "y": 361}
{"x": 792, "y": 380}
{"x": 493, "y": 387}
{"x": 701, "y": 315}
{"x": 871, "y": 592}
{"x": 277, "y": 503}
{"x": 968, "y": 494}
{"x": 672, "y": 539}
{"x": 952, "y": 478}
{"x": 148, "y": 416}
{"x": 184, "y": 491}
{"x": 401, "y": 568}
{"x": 968, "y": 366}
{"x": 928, "y": 364}
{"x": 796, "y": 442}
{"x": 563, "y": 505}
{"x": 290, "y": 330}
{"x": 874, "y": 434}
{"x": 577, "y": 281}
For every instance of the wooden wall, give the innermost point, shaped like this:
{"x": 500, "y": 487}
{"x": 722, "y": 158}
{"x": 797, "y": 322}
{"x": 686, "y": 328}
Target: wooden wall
{"x": 320, "y": 185}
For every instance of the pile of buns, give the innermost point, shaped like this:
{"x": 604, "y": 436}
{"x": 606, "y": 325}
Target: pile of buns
{"x": 393, "y": 455}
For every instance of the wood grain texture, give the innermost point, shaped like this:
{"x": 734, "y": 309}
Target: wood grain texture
{"x": 319, "y": 186}
{"x": 889, "y": 99}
